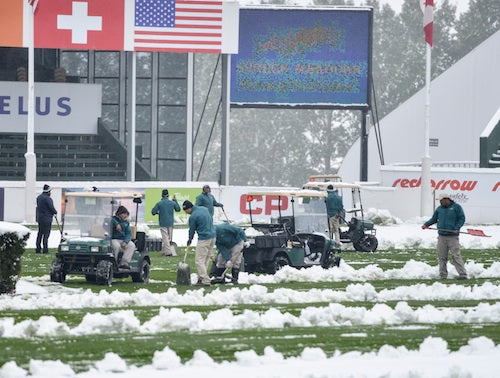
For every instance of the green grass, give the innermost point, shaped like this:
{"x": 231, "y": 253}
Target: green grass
{"x": 82, "y": 351}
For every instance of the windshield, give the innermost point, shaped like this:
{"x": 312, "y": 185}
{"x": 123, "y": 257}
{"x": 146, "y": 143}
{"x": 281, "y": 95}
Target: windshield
{"x": 310, "y": 215}
{"x": 88, "y": 216}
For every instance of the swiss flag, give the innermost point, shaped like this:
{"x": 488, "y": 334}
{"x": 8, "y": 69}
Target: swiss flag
{"x": 80, "y": 24}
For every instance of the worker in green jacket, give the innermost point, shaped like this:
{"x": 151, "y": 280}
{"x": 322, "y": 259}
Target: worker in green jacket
{"x": 230, "y": 242}
{"x": 165, "y": 208}
{"x": 450, "y": 218}
{"x": 334, "y": 207}
{"x": 206, "y": 199}
{"x": 201, "y": 222}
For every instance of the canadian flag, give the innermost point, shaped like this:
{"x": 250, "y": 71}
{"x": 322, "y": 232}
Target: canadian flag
{"x": 428, "y": 9}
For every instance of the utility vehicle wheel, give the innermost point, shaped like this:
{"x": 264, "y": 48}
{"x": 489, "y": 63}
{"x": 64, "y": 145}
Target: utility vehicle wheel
{"x": 104, "y": 272}
{"x": 90, "y": 278}
{"x": 57, "y": 273}
{"x": 332, "y": 261}
{"x": 278, "y": 263}
{"x": 367, "y": 243}
{"x": 143, "y": 274}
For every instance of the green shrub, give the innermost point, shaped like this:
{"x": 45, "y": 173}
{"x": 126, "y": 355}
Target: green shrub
{"x": 11, "y": 248}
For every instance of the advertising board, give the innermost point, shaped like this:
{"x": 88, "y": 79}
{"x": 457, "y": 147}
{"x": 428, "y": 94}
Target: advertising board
{"x": 60, "y": 108}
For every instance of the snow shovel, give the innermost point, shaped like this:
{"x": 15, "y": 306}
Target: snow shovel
{"x": 227, "y": 218}
{"x": 59, "y": 227}
{"x": 220, "y": 279}
{"x": 470, "y": 231}
{"x": 183, "y": 271}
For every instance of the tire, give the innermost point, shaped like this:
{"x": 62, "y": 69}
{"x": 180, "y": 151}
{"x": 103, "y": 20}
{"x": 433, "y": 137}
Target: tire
{"x": 367, "y": 243}
{"x": 104, "y": 272}
{"x": 57, "y": 273}
{"x": 143, "y": 275}
{"x": 90, "y": 278}
{"x": 278, "y": 263}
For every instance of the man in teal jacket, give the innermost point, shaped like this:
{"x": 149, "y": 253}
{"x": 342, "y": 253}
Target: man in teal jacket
{"x": 206, "y": 199}
{"x": 165, "y": 208}
{"x": 334, "y": 208}
{"x": 121, "y": 237}
{"x": 449, "y": 218}
{"x": 201, "y": 222}
{"x": 230, "y": 241}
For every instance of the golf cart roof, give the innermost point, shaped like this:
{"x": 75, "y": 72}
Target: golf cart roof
{"x": 325, "y": 177}
{"x": 104, "y": 194}
{"x": 289, "y": 193}
{"x": 335, "y": 184}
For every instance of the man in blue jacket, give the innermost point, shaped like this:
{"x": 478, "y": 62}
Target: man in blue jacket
{"x": 45, "y": 211}
{"x": 449, "y": 218}
{"x": 121, "y": 237}
{"x": 201, "y": 222}
{"x": 206, "y": 199}
{"x": 165, "y": 208}
{"x": 334, "y": 207}
{"x": 230, "y": 241}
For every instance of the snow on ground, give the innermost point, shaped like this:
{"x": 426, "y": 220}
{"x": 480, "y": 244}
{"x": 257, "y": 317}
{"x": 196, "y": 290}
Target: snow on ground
{"x": 480, "y": 358}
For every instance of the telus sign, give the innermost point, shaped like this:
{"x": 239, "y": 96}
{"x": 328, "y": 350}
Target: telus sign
{"x": 60, "y": 108}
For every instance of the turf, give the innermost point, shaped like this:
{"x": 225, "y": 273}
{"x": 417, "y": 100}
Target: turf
{"x": 81, "y": 351}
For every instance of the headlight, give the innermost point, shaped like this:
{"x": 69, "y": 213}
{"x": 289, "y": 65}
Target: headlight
{"x": 64, "y": 248}
{"x": 94, "y": 249}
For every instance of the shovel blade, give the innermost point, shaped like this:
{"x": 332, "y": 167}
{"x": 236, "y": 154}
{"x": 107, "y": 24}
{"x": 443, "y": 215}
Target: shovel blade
{"x": 474, "y": 232}
{"x": 183, "y": 274}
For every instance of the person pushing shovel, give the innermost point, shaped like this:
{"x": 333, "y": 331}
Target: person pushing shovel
{"x": 450, "y": 218}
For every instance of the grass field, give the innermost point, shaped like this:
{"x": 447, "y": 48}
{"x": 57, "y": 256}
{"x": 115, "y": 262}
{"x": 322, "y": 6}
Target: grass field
{"x": 80, "y": 351}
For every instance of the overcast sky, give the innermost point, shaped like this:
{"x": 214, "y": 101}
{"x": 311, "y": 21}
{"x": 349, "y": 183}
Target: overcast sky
{"x": 462, "y": 5}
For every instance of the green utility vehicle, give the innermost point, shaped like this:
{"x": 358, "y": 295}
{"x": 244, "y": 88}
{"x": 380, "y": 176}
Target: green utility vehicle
{"x": 356, "y": 229}
{"x": 85, "y": 246}
{"x": 298, "y": 240}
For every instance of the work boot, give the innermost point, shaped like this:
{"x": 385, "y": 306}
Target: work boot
{"x": 235, "y": 273}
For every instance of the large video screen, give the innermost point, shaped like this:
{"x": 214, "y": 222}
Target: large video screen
{"x": 303, "y": 57}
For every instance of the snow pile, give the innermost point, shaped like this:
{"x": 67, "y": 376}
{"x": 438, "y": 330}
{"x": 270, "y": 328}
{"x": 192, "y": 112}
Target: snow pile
{"x": 382, "y": 217}
{"x": 175, "y": 319}
{"x": 479, "y": 358}
{"x": 20, "y": 230}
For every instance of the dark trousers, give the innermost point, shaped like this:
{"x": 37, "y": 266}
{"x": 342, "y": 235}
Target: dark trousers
{"x": 43, "y": 235}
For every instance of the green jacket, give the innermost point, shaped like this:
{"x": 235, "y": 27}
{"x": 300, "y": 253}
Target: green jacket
{"x": 334, "y": 204}
{"x": 201, "y": 222}
{"x": 448, "y": 218}
{"x": 165, "y": 207}
{"x": 227, "y": 237}
{"x": 125, "y": 234}
{"x": 207, "y": 200}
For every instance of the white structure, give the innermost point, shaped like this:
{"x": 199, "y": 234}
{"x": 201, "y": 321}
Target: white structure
{"x": 464, "y": 99}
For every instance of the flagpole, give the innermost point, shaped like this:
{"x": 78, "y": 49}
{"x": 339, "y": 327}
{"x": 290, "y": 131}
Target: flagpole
{"x": 132, "y": 117}
{"x": 426, "y": 200}
{"x": 30, "y": 156}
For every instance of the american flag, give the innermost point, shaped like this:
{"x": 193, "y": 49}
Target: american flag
{"x": 178, "y": 25}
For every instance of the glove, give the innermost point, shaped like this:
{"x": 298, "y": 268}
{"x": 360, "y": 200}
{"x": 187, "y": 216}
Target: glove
{"x": 246, "y": 244}
{"x": 424, "y": 227}
{"x": 229, "y": 264}
{"x": 222, "y": 206}
{"x": 188, "y": 243}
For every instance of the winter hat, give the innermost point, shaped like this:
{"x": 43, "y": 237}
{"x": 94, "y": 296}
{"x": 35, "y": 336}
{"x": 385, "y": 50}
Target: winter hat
{"x": 329, "y": 187}
{"x": 164, "y": 193}
{"x": 187, "y": 205}
{"x": 443, "y": 196}
{"x": 122, "y": 210}
{"x": 46, "y": 188}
